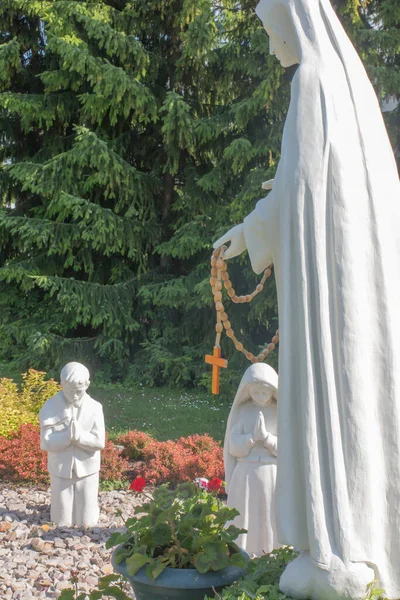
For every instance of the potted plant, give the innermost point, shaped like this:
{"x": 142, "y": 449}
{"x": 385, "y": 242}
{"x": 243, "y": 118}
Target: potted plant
{"x": 177, "y": 545}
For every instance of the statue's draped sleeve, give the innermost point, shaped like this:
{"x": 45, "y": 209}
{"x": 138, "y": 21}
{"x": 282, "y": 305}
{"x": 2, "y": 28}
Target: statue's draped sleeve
{"x": 54, "y": 441}
{"x": 95, "y": 438}
{"x": 240, "y": 442}
{"x": 260, "y": 230}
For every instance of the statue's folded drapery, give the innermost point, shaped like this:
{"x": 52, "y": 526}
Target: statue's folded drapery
{"x": 331, "y": 225}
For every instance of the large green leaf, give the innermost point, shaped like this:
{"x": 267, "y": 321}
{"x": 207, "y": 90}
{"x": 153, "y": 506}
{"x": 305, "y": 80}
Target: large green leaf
{"x": 136, "y": 562}
{"x": 232, "y": 532}
{"x": 214, "y": 557}
{"x": 67, "y": 595}
{"x": 202, "y": 562}
{"x": 238, "y": 560}
{"x": 122, "y": 553}
{"x": 155, "y": 568}
{"x": 117, "y": 538}
{"x": 161, "y": 534}
{"x": 186, "y": 490}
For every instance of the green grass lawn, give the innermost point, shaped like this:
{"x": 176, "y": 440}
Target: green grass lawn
{"x": 162, "y": 412}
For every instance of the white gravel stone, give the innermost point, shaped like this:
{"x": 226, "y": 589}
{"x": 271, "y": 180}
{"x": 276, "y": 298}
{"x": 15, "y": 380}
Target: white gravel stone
{"x": 37, "y": 559}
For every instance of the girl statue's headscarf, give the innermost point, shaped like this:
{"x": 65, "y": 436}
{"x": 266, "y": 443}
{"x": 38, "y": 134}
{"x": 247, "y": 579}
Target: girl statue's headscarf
{"x": 262, "y": 374}
{"x": 331, "y": 225}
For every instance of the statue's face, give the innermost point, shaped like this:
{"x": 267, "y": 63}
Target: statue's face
{"x": 261, "y": 394}
{"x": 283, "y": 41}
{"x": 74, "y": 391}
{"x": 283, "y": 50}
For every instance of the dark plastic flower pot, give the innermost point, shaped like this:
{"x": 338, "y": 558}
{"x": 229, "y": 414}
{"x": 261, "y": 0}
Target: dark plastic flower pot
{"x": 179, "y": 584}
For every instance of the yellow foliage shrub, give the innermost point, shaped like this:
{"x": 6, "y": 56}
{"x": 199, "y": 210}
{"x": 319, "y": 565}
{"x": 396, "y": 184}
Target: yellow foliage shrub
{"x": 20, "y": 406}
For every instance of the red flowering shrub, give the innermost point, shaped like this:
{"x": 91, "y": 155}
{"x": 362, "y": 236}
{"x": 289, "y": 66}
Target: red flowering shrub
{"x": 135, "y": 443}
{"x": 163, "y": 461}
{"x": 21, "y": 458}
{"x": 206, "y": 456}
{"x": 113, "y": 464}
{"x": 182, "y": 460}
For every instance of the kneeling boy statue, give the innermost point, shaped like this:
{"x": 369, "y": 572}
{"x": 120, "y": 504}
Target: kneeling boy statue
{"x": 72, "y": 432}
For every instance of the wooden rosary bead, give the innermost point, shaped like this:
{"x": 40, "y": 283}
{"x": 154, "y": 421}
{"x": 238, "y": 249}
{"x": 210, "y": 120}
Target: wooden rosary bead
{"x": 220, "y": 278}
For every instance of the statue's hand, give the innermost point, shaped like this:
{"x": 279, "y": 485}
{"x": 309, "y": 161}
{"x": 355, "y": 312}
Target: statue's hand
{"x": 236, "y": 237}
{"x": 260, "y": 431}
{"x": 74, "y": 430}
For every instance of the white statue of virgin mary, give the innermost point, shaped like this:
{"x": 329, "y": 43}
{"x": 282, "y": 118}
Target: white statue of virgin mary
{"x": 331, "y": 226}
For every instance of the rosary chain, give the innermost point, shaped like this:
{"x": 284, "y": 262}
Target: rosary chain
{"x": 219, "y": 277}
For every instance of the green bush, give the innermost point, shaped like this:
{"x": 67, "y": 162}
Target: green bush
{"x": 21, "y": 406}
{"x": 262, "y": 579}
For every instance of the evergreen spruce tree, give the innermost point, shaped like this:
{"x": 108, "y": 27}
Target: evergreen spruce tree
{"x": 137, "y": 133}
{"x": 151, "y": 118}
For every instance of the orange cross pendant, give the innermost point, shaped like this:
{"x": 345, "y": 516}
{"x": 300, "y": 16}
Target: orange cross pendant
{"x": 217, "y": 362}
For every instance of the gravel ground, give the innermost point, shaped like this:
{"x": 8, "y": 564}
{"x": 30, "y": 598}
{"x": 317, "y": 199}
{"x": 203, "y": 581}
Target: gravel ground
{"x": 38, "y": 559}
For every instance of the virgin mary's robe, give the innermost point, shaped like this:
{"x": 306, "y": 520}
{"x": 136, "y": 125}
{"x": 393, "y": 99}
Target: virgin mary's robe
{"x": 331, "y": 227}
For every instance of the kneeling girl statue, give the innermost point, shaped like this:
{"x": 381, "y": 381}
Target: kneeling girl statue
{"x": 250, "y": 450}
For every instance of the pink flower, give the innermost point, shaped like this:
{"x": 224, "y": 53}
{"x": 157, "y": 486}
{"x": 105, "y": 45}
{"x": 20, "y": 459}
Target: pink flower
{"x": 138, "y": 484}
{"x": 202, "y": 482}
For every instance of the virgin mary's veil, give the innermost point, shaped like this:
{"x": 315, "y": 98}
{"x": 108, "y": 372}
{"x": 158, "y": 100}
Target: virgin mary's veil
{"x": 314, "y": 27}
{"x": 258, "y": 373}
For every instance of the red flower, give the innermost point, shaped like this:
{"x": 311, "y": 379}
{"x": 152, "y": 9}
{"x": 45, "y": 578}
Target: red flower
{"x": 138, "y": 484}
{"x": 215, "y": 484}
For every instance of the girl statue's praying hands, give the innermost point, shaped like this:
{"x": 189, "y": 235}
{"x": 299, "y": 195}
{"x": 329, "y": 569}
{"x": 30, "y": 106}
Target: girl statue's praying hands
{"x": 250, "y": 451}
